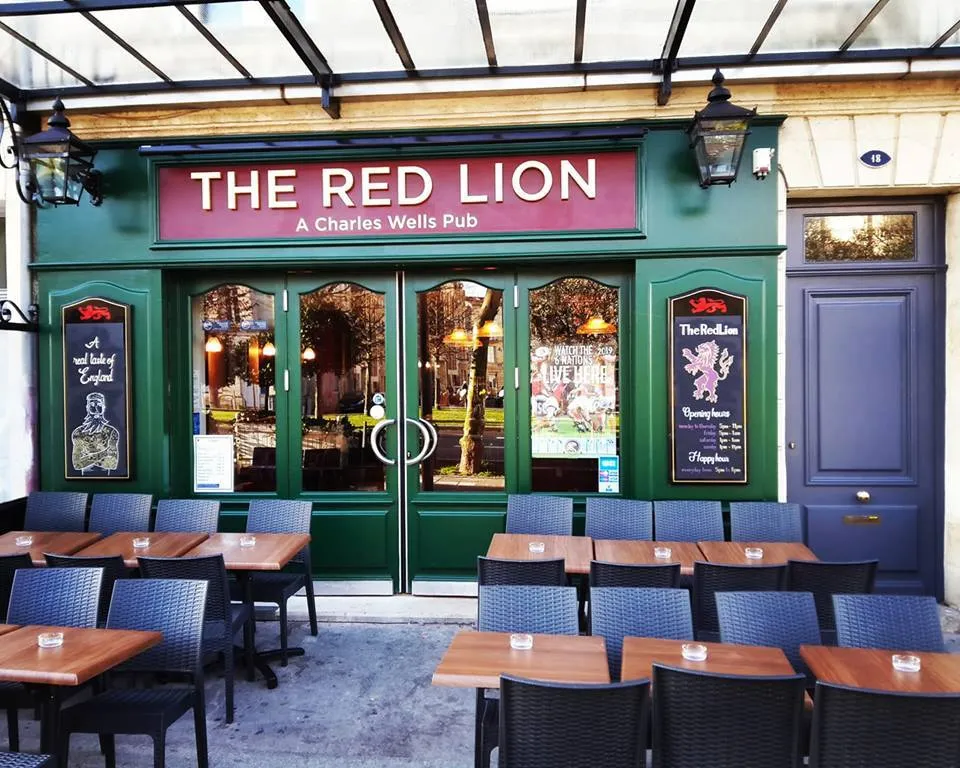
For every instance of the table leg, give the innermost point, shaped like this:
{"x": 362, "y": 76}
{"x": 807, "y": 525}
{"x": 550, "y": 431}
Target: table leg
{"x": 260, "y": 658}
{"x": 49, "y": 719}
{"x": 478, "y": 731}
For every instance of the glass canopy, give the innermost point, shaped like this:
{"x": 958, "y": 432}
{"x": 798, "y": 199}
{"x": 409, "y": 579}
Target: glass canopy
{"x": 94, "y": 47}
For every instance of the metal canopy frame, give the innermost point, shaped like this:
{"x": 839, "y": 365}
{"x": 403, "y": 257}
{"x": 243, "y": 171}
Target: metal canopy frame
{"x": 323, "y": 75}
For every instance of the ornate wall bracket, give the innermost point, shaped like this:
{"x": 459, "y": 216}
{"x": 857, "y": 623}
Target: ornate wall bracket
{"x": 10, "y": 312}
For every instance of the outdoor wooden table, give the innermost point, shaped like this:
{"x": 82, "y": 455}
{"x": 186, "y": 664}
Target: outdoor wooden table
{"x": 85, "y": 653}
{"x": 633, "y": 552}
{"x": 271, "y": 552}
{"x": 872, "y": 668}
{"x": 54, "y": 542}
{"x": 162, "y": 544}
{"x": 576, "y": 551}
{"x": 477, "y": 659}
{"x": 774, "y": 552}
{"x": 641, "y": 653}
{"x": 4, "y": 628}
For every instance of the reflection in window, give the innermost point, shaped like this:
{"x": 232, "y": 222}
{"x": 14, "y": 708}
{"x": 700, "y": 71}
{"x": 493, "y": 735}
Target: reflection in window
{"x": 859, "y": 237}
{"x": 461, "y": 385}
{"x": 342, "y": 387}
{"x": 574, "y": 387}
{"x": 233, "y": 356}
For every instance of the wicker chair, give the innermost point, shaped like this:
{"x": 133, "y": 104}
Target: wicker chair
{"x": 825, "y": 580}
{"x": 894, "y": 622}
{"x": 622, "y": 575}
{"x": 113, "y": 569}
{"x": 9, "y": 565}
{"x": 546, "y": 725}
{"x": 55, "y": 511}
{"x": 188, "y": 515}
{"x": 854, "y": 726}
{"x": 114, "y": 512}
{"x": 51, "y": 597}
{"x": 619, "y": 518}
{"x": 618, "y": 612}
{"x": 175, "y": 608}
{"x": 23, "y": 760}
{"x": 710, "y": 578}
{"x": 765, "y": 521}
{"x": 544, "y": 515}
{"x": 702, "y": 719}
{"x": 535, "y": 573}
{"x": 688, "y": 520}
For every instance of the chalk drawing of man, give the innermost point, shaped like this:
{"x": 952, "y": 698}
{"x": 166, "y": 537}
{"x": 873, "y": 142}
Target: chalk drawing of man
{"x": 96, "y": 443}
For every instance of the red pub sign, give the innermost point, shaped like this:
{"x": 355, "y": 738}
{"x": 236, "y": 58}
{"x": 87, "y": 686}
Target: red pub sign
{"x": 441, "y": 196}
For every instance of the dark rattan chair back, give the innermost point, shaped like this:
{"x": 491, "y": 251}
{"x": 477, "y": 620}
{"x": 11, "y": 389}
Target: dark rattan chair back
{"x": 854, "y": 726}
{"x": 710, "y": 578}
{"x": 702, "y": 719}
{"x": 618, "y": 612}
{"x": 765, "y": 521}
{"x": 619, "y": 518}
{"x": 55, "y": 511}
{"x": 534, "y": 573}
{"x": 622, "y": 575}
{"x": 545, "y": 725}
{"x": 544, "y": 515}
{"x": 113, "y": 512}
{"x": 9, "y": 565}
{"x": 113, "y": 569}
{"x": 784, "y": 620}
{"x": 894, "y": 622}
{"x": 188, "y": 515}
{"x": 209, "y": 568}
{"x": 825, "y": 580}
{"x": 280, "y": 516}
{"x": 544, "y": 610}
{"x": 688, "y": 520}
{"x": 57, "y": 597}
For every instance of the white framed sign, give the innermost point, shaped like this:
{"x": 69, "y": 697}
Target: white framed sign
{"x": 213, "y": 463}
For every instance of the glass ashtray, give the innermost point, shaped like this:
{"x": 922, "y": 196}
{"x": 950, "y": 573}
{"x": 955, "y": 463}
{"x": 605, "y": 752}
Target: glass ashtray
{"x": 23, "y": 541}
{"x": 521, "y": 642}
{"x": 141, "y": 542}
{"x": 50, "y": 639}
{"x": 536, "y": 547}
{"x": 903, "y": 663}
{"x": 662, "y": 553}
{"x": 248, "y": 541}
{"x": 753, "y": 553}
{"x": 693, "y": 652}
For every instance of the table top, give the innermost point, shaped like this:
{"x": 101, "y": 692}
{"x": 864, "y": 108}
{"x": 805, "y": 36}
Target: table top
{"x": 641, "y": 653}
{"x": 162, "y": 544}
{"x": 271, "y": 552}
{"x": 633, "y": 552}
{"x": 872, "y": 668}
{"x": 774, "y": 552}
{"x": 85, "y": 653}
{"x": 54, "y": 542}
{"x": 477, "y": 659}
{"x": 576, "y": 551}
{"x": 4, "y": 628}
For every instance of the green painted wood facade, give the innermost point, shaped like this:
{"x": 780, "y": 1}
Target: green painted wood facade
{"x": 724, "y": 238}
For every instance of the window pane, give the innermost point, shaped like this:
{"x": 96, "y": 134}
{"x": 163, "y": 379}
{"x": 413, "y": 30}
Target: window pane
{"x": 909, "y": 24}
{"x": 460, "y": 361}
{"x": 233, "y": 379}
{"x": 533, "y": 32}
{"x": 719, "y": 27}
{"x": 859, "y": 237}
{"x": 574, "y": 384}
{"x": 815, "y": 25}
{"x": 615, "y": 30}
{"x": 342, "y": 377}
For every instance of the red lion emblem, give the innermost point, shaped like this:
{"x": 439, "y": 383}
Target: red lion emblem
{"x": 93, "y": 312}
{"x": 704, "y": 304}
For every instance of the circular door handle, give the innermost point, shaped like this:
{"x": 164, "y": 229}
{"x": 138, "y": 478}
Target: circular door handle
{"x": 863, "y": 496}
{"x": 433, "y": 434}
{"x": 427, "y": 442}
{"x": 375, "y": 435}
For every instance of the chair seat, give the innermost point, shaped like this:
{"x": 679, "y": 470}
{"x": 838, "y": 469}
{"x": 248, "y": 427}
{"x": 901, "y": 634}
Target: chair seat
{"x": 128, "y": 710}
{"x": 268, "y": 587}
{"x": 22, "y": 760}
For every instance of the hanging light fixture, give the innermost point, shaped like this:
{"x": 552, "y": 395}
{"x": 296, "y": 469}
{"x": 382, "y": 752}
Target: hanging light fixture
{"x": 596, "y": 326}
{"x": 213, "y": 345}
{"x": 717, "y": 136}
{"x": 309, "y": 354}
{"x": 490, "y": 330}
{"x": 269, "y": 350}
{"x": 56, "y": 166}
{"x": 458, "y": 337}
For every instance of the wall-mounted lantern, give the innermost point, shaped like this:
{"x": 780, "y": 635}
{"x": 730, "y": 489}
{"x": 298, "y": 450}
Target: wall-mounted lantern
{"x": 717, "y": 136}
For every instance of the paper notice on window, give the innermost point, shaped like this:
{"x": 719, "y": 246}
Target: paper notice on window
{"x": 213, "y": 463}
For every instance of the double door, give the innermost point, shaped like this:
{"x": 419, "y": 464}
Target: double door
{"x": 406, "y": 407}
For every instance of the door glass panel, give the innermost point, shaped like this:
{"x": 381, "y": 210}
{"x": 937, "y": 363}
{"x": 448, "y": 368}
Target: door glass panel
{"x": 859, "y": 237}
{"x": 233, "y": 355}
{"x": 574, "y": 383}
{"x": 461, "y": 385}
{"x": 342, "y": 387}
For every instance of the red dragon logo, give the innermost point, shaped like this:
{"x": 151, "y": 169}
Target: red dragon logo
{"x": 93, "y": 312}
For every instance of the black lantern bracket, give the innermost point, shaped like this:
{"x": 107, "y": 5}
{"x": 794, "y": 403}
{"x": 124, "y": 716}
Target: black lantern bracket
{"x": 53, "y": 167}
{"x": 28, "y": 322}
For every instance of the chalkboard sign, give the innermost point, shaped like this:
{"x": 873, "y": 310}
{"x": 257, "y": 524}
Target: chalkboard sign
{"x": 96, "y": 390}
{"x": 708, "y": 387}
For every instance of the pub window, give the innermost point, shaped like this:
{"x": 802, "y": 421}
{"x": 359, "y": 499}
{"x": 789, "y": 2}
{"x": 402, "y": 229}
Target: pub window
{"x": 859, "y": 237}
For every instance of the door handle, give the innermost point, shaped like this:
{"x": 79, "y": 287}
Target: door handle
{"x": 433, "y": 433}
{"x": 427, "y": 441}
{"x": 374, "y": 445}
{"x": 863, "y": 496}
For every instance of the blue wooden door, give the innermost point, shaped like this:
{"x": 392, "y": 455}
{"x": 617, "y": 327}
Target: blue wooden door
{"x": 864, "y": 392}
